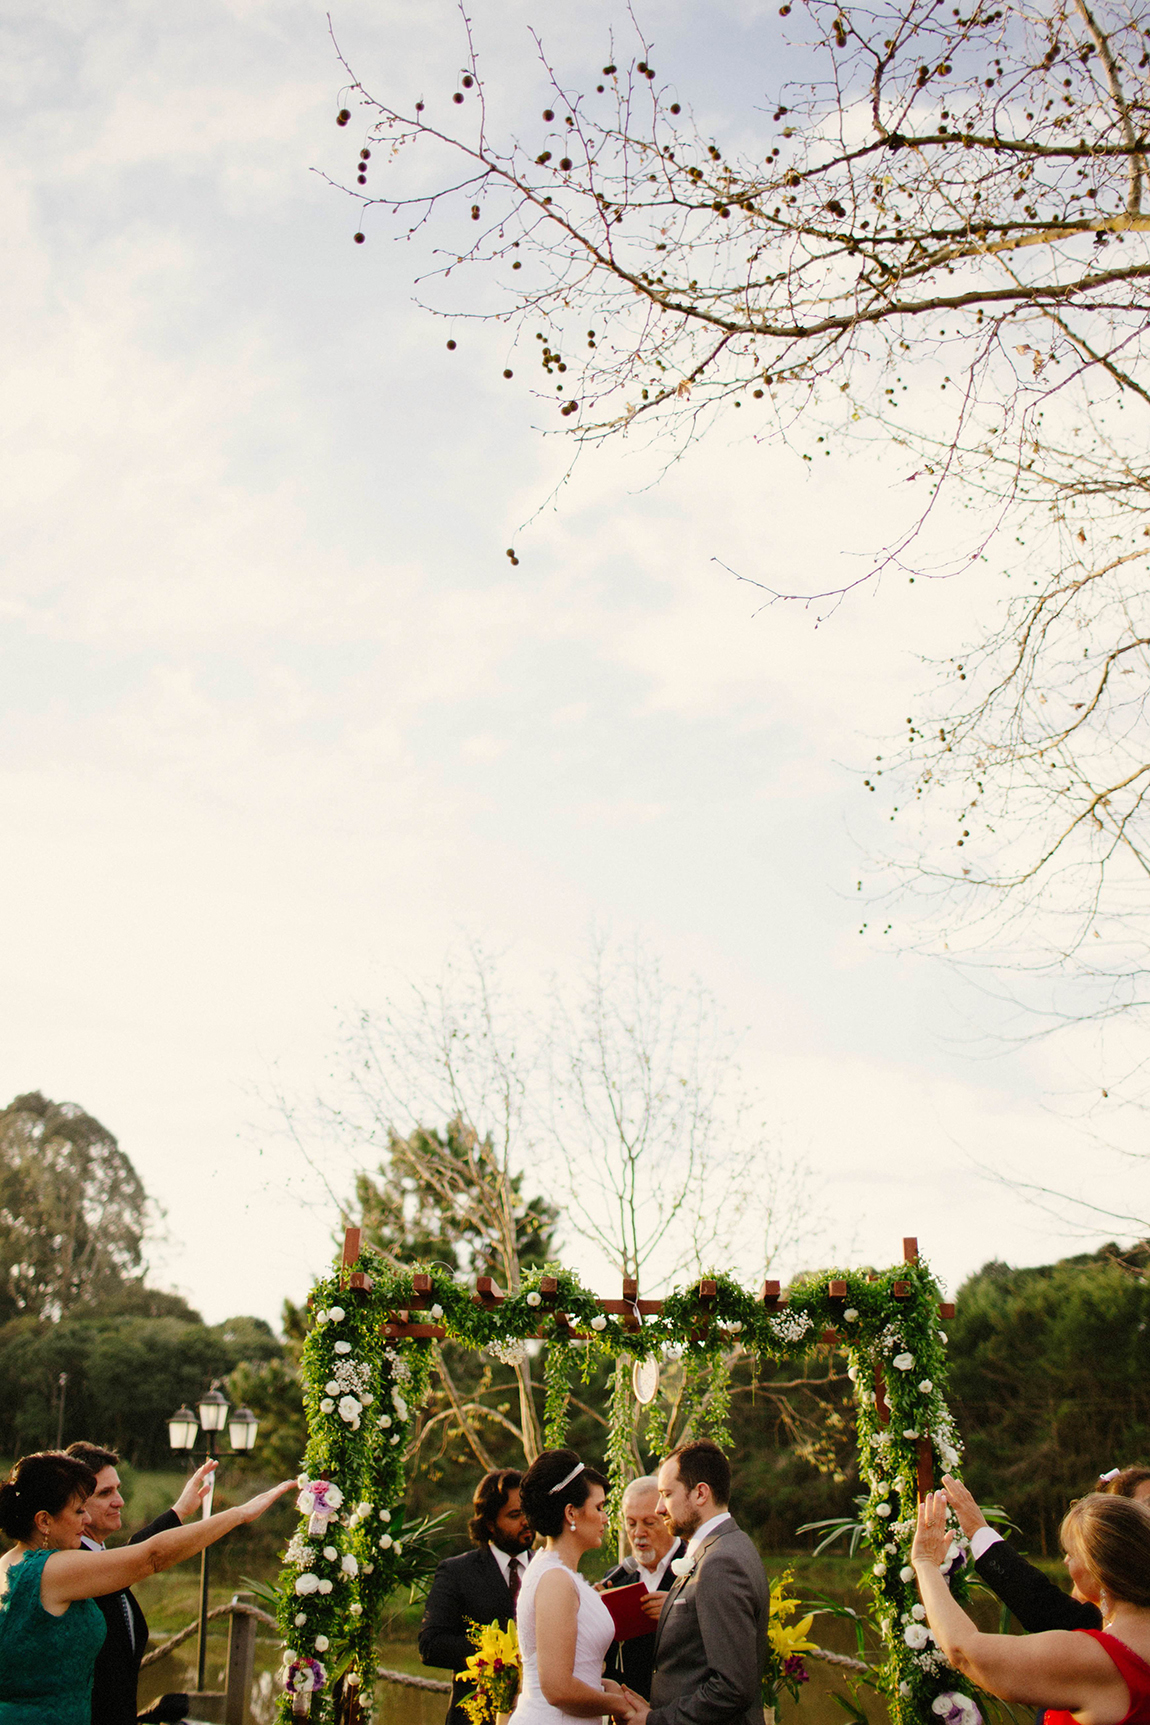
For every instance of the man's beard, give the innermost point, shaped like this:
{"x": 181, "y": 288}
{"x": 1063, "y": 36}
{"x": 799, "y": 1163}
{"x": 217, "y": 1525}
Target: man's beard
{"x": 684, "y": 1529}
{"x": 513, "y": 1544}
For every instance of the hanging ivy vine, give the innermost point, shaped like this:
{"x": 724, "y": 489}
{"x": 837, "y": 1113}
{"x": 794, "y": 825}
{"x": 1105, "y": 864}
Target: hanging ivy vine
{"x": 362, "y": 1394}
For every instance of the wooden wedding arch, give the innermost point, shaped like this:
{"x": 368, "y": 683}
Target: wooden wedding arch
{"x": 366, "y": 1366}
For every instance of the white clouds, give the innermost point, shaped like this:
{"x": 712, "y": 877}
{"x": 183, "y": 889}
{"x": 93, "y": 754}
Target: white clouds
{"x": 275, "y": 711}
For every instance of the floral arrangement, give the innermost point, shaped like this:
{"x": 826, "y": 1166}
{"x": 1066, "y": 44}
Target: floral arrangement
{"x": 786, "y": 1644}
{"x": 362, "y": 1394}
{"x": 494, "y": 1669}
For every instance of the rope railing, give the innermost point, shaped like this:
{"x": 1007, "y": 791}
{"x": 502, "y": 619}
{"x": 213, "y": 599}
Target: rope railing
{"x": 404, "y": 1679}
{"x": 843, "y": 1659}
{"x": 234, "y": 1608}
{"x": 409, "y": 1681}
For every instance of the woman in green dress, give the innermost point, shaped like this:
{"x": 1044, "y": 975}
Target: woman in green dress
{"x": 50, "y": 1631}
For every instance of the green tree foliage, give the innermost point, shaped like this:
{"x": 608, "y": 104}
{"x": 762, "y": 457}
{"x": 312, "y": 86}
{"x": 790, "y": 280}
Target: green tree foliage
{"x": 127, "y": 1372}
{"x": 268, "y": 1382}
{"x": 448, "y": 1198}
{"x": 72, "y": 1209}
{"x": 1050, "y": 1378}
{"x": 419, "y": 1209}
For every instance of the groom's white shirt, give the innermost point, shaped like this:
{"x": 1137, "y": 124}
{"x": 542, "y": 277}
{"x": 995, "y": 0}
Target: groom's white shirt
{"x": 704, "y": 1532}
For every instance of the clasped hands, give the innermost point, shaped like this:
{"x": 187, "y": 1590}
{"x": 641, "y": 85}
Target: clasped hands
{"x": 625, "y": 1704}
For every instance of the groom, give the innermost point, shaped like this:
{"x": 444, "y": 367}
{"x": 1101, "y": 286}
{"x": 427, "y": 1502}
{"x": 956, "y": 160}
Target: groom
{"x": 710, "y": 1645}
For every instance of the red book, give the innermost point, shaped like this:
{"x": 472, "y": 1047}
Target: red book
{"x": 625, "y": 1606}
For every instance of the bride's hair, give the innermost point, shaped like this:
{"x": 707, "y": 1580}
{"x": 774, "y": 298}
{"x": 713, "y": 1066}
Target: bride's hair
{"x": 47, "y": 1480}
{"x": 543, "y": 1504}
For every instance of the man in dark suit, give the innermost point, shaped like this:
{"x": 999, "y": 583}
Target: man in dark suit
{"x": 710, "y": 1645}
{"x": 653, "y": 1550}
{"x": 118, "y": 1661}
{"x": 1036, "y": 1601}
{"x": 482, "y": 1585}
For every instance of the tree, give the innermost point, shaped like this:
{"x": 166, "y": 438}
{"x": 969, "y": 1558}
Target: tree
{"x": 647, "y": 1125}
{"x": 938, "y": 243}
{"x": 1048, "y": 1377}
{"x": 72, "y": 1209}
{"x": 428, "y": 1205}
{"x": 618, "y": 1099}
{"x": 444, "y": 1197}
{"x": 128, "y": 1371}
{"x": 448, "y": 1053}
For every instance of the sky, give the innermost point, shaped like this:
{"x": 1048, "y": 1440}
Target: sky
{"x": 280, "y": 726}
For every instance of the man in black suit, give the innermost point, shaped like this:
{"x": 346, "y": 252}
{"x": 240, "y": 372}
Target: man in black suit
{"x": 482, "y": 1585}
{"x": 653, "y": 1550}
{"x": 118, "y": 1661}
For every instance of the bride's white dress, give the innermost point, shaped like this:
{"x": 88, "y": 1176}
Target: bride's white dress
{"x": 594, "y": 1634}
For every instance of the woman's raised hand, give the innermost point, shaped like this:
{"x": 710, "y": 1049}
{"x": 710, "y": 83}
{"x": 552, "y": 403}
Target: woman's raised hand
{"x": 931, "y": 1536}
{"x": 255, "y": 1506}
{"x": 970, "y": 1517}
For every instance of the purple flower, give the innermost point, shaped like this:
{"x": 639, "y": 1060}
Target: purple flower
{"x": 954, "y": 1560}
{"x": 794, "y": 1669}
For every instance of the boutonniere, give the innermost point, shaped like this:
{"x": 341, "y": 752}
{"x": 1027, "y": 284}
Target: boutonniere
{"x": 682, "y": 1565}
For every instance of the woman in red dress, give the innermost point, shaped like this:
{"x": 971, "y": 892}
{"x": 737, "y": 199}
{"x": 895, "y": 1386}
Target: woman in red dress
{"x": 1089, "y": 1676}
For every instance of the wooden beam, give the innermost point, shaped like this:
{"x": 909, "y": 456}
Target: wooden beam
{"x": 946, "y": 1310}
{"x": 413, "y": 1332}
{"x": 487, "y": 1293}
{"x": 882, "y": 1410}
{"x": 620, "y": 1308}
{"x": 925, "y": 1467}
{"x": 901, "y": 1290}
{"x": 837, "y": 1290}
{"x": 352, "y": 1246}
{"x": 829, "y": 1339}
{"x": 910, "y": 1249}
{"x": 771, "y": 1296}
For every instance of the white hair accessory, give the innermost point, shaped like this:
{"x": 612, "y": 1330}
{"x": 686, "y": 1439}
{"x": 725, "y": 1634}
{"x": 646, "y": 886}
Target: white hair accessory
{"x": 574, "y": 1474}
{"x": 1113, "y": 1474}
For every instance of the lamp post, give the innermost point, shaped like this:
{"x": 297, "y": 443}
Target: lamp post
{"x": 183, "y": 1426}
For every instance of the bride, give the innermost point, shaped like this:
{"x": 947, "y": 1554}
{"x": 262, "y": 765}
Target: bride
{"x": 564, "y": 1627}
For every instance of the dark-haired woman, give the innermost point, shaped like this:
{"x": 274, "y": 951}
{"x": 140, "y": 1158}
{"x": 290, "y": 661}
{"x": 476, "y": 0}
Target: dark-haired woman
{"x": 564, "y": 1627}
{"x": 1089, "y": 1676}
{"x": 50, "y": 1631}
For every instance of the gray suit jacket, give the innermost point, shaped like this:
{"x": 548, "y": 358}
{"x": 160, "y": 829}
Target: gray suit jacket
{"x": 710, "y": 1645}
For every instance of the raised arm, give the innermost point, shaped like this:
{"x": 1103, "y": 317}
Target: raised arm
{"x": 70, "y": 1575}
{"x": 1037, "y": 1602}
{"x": 1059, "y": 1668}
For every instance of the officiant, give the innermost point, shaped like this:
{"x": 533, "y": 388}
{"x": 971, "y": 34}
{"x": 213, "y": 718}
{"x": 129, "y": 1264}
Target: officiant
{"x": 653, "y": 1550}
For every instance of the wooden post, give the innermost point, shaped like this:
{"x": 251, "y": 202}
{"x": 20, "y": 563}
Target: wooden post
{"x": 241, "y": 1663}
{"x": 925, "y": 1466}
{"x": 882, "y": 1411}
{"x": 909, "y": 1249}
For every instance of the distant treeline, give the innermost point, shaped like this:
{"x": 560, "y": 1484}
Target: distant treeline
{"x": 1049, "y": 1367}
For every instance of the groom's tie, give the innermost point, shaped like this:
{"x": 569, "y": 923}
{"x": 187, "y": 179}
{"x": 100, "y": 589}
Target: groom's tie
{"x": 514, "y": 1580}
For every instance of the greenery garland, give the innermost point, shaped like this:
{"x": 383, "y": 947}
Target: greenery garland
{"x": 362, "y": 1393}
{"x": 557, "y": 1391}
